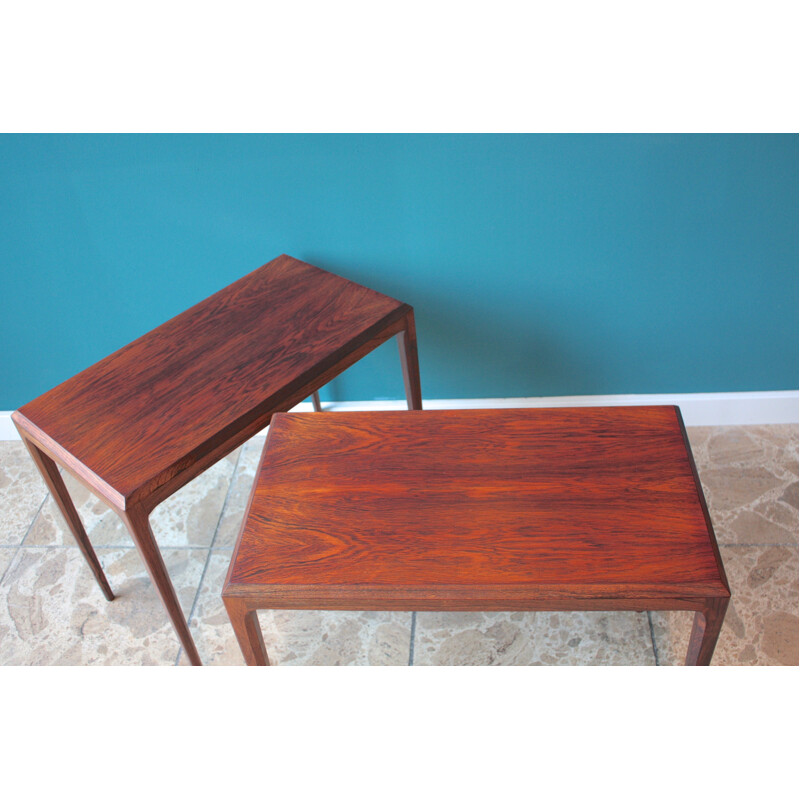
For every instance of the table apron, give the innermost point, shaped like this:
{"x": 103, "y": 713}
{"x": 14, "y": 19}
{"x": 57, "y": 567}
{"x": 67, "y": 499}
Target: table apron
{"x": 314, "y": 600}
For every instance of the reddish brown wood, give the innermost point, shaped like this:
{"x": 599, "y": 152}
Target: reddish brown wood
{"x": 407, "y": 341}
{"x": 138, "y": 524}
{"x": 702, "y": 500}
{"x": 248, "y": 632}
{"x": 571, "y": 508}
{"x": 55, "y": 483}
{"x": 139, "y": 415}
{"x": 705, "y": 632}
{"x": 140, "y": 424}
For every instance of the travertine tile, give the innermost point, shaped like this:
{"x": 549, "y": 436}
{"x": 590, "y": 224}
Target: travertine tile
{"x": 527, "y": 638}
{"x": 292, "y": 638}
{"x": 6, "y": 557}
{"x": 210, "y": 626}
{"x": 191, "y": 515}
{"x": 53, "y": 612}
{"x": 731, "y": 488}
{"x": 187, "y": 519}
{"x": 746, "y": 444}
{"x": 737, "y": 445}
{"x": 337, "y": 638}
{"x": 239, "y": 493}
{"x": 21, "y": 492}
{"x": 101, "y": 523}
{"x": 698, "y": 439}
{"x": 749, "y": 478}
{"x": 784, "y": 437}
{"x": 762, "y": 620}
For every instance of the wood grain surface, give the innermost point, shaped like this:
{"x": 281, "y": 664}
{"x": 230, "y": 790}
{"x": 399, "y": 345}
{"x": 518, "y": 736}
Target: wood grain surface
{"x": 477, "y": 509}
{"x": 174, "y": 401}
{"x": 140, "y": 424}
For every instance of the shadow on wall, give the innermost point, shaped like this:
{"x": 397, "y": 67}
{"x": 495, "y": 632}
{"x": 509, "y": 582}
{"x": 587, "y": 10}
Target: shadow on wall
{"x": 462, "y": 344}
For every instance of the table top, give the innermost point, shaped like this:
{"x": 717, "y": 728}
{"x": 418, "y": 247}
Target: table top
{"x": 137, "y": 417}
{"x": 525, "y": 503}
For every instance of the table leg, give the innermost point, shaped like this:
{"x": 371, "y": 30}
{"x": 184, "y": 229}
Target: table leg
{"x": 407, "y": 342}
{"x": 316, "y": 402}
{"x": 138, "y": 524}
{"x": 248, "y": 632}
{"x": 55, "y": 483}
{"x": 705, "y": 632}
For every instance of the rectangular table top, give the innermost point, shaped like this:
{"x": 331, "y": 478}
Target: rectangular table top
{"x": 139, "y": 415}
{"x": 524, "y": 503}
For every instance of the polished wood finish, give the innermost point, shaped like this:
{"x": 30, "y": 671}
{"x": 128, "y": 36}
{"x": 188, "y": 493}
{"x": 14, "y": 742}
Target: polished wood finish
{"x": 407, "y": 341}
{"x": 138, "y": 524}
{"x": 140, "y": 424}
{"x": 705, "y": 631}
{"x": 248, "y": 631}
{"x": 55, "y": 483}
{"x": 138, "y": 416}
{"x": 518, "y": 509}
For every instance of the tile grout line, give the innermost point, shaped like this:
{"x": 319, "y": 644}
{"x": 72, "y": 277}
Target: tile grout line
{"x": 28, "y": 530}
{"x": 653, "y": 638}
{"x": 210, "y": 547}
{"x": 33, "y": 521}
{"x": 10, "y": 562}
{"x": 227, "y": 496}
{"x": 412, "y": 638}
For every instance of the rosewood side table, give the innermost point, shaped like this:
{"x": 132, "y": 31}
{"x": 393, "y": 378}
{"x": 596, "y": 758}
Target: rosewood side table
{"x": 488, "y": 510}
{"x": 140, "y": 424}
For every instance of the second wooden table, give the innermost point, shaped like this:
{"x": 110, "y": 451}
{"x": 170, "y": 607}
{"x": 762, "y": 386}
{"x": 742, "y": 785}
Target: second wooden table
{"x": 512, "y": 510}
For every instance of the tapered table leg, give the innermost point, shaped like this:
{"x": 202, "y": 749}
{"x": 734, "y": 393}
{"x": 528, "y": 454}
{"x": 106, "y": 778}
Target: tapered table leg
{"x": 316, "y": 402}
{"x": 705, "y": 632}
{"x": 407, "y": 342}
{"x": 55, "y": 483}
{"x": 248, "y": 632}
{"x": 138, "y": 524}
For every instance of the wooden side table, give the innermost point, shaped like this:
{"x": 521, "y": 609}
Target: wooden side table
{"x": 140, "y": 424}
{"x": 490, "y": 510}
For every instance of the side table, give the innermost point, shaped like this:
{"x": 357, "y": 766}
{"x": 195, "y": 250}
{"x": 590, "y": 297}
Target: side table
{"x": 489, "y": 510}
{"x": 140, "y": 424}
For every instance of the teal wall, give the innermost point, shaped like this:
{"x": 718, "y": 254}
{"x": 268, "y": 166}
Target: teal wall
{"x": 537, "y": 264}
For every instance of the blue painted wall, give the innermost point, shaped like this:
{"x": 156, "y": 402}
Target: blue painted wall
{"x": 537, "y": 264}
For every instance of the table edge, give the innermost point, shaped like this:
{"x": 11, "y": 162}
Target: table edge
{"x": 702, "y": 500}
{"x": 480, "y": 595}
{"x": 29, "y": 430}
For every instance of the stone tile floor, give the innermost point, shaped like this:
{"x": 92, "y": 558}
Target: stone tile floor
{"x": 52, "y": 612}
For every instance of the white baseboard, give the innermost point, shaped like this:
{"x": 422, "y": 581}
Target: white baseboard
{"x": 716, "y": 408}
